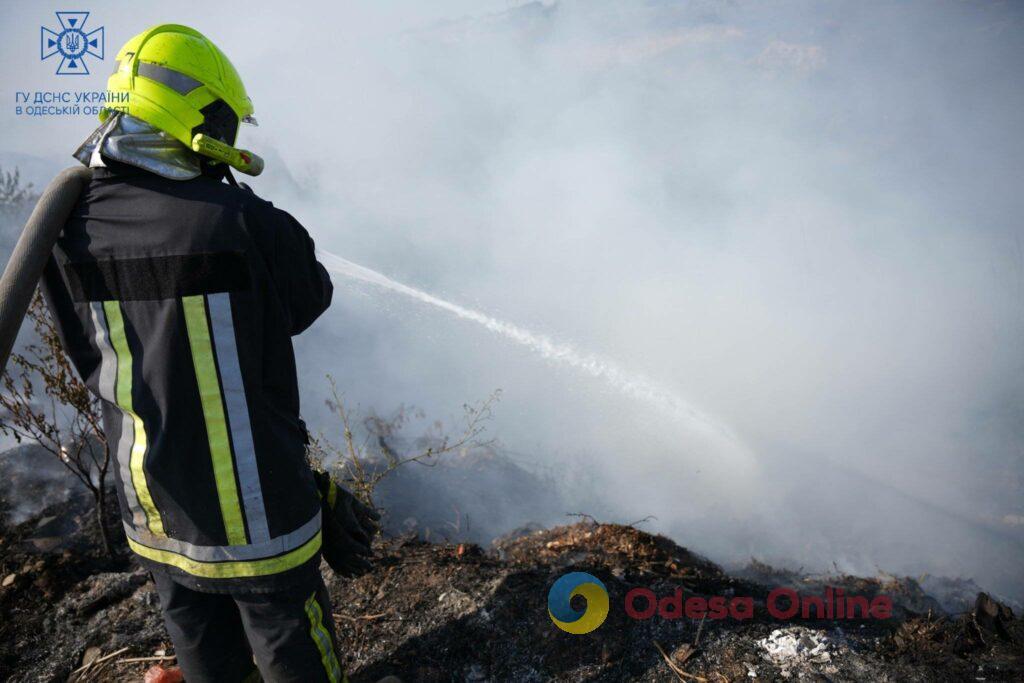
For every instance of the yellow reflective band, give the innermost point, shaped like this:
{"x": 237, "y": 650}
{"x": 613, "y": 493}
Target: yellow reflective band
{"x": 322, "y": 639}
{"x": 231, "y": 570}
{"x": 332, "y": 494}
{"x": 123, "y": 394}
{"x": 213, "y": 412}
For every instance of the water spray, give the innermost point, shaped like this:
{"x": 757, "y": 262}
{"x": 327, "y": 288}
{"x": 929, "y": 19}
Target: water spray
{"x": 631, "y": 384}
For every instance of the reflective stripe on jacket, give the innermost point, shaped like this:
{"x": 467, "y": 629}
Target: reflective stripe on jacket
{"x": 176, "y": 302}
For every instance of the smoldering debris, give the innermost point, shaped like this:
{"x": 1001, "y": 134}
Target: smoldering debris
{"x": 472, "y": 495}
{"x": 443, "y": 611}
{"x": 33, "y": 479}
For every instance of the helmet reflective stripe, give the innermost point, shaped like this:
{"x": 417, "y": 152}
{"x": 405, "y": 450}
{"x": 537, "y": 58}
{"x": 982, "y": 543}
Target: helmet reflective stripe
{"x": 172, "y": 77}
{"x": 175, "y": 80}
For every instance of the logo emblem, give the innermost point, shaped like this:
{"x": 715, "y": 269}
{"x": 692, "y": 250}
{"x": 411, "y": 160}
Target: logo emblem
{"x": 72, "y": 43}
{"x": 560, "y": 607}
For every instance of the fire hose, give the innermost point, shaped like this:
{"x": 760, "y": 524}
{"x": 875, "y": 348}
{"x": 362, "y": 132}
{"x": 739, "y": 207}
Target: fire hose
{"x": 25, "y": 267}
{"x": 349, "y": 525}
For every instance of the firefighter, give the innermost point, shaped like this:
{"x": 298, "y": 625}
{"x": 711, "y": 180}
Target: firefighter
{"x": 176, "y": 293}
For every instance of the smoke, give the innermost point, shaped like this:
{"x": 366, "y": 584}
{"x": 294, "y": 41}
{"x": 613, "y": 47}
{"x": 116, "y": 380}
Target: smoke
{"x": 803, "y": 217}
{"x": 630, "y": 385}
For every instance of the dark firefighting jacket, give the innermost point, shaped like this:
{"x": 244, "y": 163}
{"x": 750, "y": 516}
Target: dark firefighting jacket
{"x": 176, "y": 301}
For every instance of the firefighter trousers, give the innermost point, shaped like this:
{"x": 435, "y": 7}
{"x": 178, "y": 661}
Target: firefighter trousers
{"x": 276, "y": 637}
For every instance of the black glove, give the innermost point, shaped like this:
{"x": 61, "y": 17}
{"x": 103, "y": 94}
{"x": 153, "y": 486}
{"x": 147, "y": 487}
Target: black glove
{"x": 348, "y": 528}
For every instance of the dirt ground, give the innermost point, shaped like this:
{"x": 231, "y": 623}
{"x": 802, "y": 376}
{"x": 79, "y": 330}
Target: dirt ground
{"x": 446, "y": 612}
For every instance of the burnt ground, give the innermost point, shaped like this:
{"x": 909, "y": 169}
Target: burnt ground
{"x": 444, "y": 612}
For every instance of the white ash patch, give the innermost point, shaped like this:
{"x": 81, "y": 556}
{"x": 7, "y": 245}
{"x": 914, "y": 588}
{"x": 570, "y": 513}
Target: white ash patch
{"x": 796, "y": 650}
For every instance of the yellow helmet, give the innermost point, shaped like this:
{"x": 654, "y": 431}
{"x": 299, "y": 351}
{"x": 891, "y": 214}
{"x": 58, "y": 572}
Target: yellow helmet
{"x": 176, "y": 79}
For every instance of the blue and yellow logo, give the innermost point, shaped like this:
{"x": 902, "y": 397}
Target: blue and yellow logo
{"x": 560, "y": 603}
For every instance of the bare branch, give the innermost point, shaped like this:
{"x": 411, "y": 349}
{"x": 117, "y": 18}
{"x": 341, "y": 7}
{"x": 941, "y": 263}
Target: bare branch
{"x": 363, "y": 465}
{"x": 64, "y": 419}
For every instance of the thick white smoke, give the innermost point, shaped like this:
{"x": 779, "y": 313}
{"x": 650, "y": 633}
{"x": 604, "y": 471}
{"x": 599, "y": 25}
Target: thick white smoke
{"x": 804, "y": 217}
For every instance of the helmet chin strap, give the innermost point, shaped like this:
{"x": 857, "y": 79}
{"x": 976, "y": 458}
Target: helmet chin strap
{"x": 230, "y": 177}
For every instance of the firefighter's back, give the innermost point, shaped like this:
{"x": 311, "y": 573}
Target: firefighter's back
{"x": 177, "y": 302}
